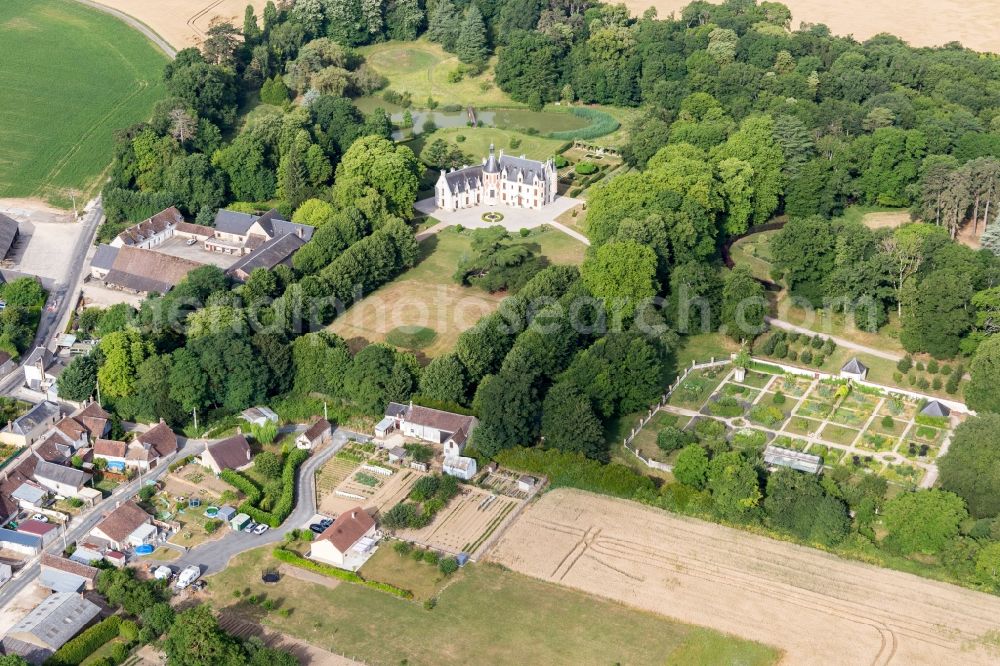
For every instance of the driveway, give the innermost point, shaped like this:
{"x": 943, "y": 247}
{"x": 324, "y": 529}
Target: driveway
{"x": 514, "y": 219}
{"x": 213, "y": 556}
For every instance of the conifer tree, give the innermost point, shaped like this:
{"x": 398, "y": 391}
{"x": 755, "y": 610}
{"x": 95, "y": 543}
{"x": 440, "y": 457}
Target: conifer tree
{"x": 471, "y": 45}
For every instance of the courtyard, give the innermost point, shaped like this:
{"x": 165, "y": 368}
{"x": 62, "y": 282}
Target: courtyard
{"x": 514, "y": 219}
{"x": 857, "y": 426}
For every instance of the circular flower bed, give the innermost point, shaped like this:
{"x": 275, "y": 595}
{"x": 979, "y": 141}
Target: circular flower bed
{"x": 492, "y": 217}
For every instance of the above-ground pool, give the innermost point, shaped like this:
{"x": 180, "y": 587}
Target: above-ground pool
{"x": 144, "y": 549}
{"x": 212, "y": 511}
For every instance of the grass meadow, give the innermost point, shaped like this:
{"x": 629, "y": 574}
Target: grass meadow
{"x": 71, "y": 77}
{"x": 424, "y": 309}
{"x": 484, "y": 614}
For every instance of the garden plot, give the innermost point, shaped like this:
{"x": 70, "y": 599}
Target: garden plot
{"x": 466, "y": 524}
{"x": 333, "y": 473}
{"x": 350, "y": 492}
{"x": 697, "y": 387}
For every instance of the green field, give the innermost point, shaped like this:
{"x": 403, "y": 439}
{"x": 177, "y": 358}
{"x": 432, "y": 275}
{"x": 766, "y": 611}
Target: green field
{"x": 486, "y": 615}
{"x": 421, "y": 69}
{"x": 71, "y": 77}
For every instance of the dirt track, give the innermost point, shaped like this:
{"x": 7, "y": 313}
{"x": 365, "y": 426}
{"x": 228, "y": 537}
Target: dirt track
{"x": 816, "y": 607}
{"x": 974, "y": 23}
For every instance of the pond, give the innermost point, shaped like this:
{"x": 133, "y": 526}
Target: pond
{"x": 511, "y": 119}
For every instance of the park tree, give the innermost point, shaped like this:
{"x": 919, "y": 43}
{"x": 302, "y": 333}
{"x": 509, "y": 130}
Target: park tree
{"x": 221, "y": 43}
{"x": 508, "y": 409}
{"x": 691, "y": 466}
{"x": 734, "y": 487}
{"x": 79, "y": 380}
{"x": 404, "y": 19}
{"x": 151, "y": 399}
{"x": 924, "y": 521}
{"x": 444, "y": 379}
{"x": 737, "y": 192}
{"x": 379, "y": 374}
{"x": 971, "y": 468}
{"x": 196, "y": 183}
{"x": 623, "y": 274}
{"x": 695, "y": 301}
{"x": 471, "y": 47}
{"x": 267, "y": 465}
{"x": 347, "y": 23}
{"x": 743, "y": 305}
{"x": 754, "y": 143}
{"x": 938, "y": 315}
{"x": 375, "y": 167}
{"x": 804, "y": 250}
{"x": 988, "y": 564}
{"x": 982, "y": 393}
{"x": 569, "y": 423}
{"x": 990, "y": 238}
{"x": 445, "y": 25}
{"x": 244, "y": 162}
{"x": 123, "y": 351}
{"x": 188, "y": 381}
{"x": 440, "y": 154}
{"x": 251, "y": 29}
{"x": 195, "y": 639}
{"x": 796, "y": 503}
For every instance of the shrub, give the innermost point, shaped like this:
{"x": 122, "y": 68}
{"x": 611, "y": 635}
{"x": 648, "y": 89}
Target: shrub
{"x": 779, "y": 398}
{"x": 766, "y": 415}
{"x": 912, "y": 379}
{"x": 560, "y": 161}
{"x": 781, "y": 349}
{"x": 932, "y": 366}
{"x": 402, "y": 548}
{"x": 923, "y": 384}
{"x": 920, "y": 366}
{"x": 818, "y": 361}
{"x": 829, "y": 346}
{"x": 81, "y": 647}
{"x": 459, "y": 138}
{"x": 524, "y": 233}
{"x": 448, "y": 565}
{"x": 897, "y": 377}
{"x": 672, "y": 438}
{"x": 888, "y": 423}
{"x": 585, "y": 168}
{"x": 905, "y": 364}
{"x": 212, "y": 525}
{"x": 816, "y": 342}
{"x": 749, "y": 438}
{"x": 726, "y": 406}
{"x": 793, "y": 355}
{"x": 432, "y": 557}
{"x": 953, "y": 380}
{"x": 806, "y": 356}
{"x": 945, "y": 369}
{"x": 936, "y": 384}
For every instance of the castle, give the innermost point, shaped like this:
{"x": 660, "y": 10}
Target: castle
{"x": 511, "y": 181}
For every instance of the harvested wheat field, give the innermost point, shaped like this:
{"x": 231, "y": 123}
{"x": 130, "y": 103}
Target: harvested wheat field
{"x": 816, "y": 607}
{"x": 974, "y": 23}
{"x": 183, "y": 23}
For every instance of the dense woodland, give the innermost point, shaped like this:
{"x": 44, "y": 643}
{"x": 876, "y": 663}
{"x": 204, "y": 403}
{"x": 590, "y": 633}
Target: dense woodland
{"x": 741, "y": 120}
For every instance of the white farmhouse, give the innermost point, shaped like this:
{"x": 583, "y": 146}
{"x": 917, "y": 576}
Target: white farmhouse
{"x": 348, "y": 542}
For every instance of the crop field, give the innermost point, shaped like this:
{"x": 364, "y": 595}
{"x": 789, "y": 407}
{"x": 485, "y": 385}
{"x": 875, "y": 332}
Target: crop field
{"x": 184, "y": 22}
{"x": 467, "y": 523}
{"x": 71, "y": 77}
{"x": 814, "y": 606}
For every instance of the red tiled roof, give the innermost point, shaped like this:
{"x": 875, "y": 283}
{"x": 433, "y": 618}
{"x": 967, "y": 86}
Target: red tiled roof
{"x": 36, "y": 527}
{"x": 161, "y": 438}
{"x": 69, "y": 566}
{"x": 317, "y": 429}
{"x": 348, "y": 528}
{"x": 71, "y": 428}
{"x": 110, "y": 448}
{"x": 231, "y": 453}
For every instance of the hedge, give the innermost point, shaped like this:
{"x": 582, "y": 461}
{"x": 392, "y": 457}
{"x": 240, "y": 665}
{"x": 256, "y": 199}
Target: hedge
{"x": 601, "y": 123}
{"x": 286, "y": 502}
{"x": 84, "y": 645}
{"x": 574, "y": 470}
{"x": 297, "y": 560}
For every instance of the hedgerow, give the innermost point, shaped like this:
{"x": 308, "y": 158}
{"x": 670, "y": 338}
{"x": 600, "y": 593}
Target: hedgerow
{"x": 84, "y": 645}
{"x": 286, "y": 501}
{"x": 290, "y": 557}
{"x": 574, "y": 470}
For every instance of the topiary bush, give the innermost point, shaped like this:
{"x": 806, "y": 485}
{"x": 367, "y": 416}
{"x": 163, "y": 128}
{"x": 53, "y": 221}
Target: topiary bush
{"x": 585, "y": 168}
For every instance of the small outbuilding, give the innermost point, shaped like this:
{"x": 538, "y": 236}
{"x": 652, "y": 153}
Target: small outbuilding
{"x": 854, "y": 369}
{"x": 396, "y": 454}
{"x": 936, "y": 410}
{"x": 526, "y": 483}
{"x": 258, "y": 415}
{"x": 239, "y": 521}
{"x": 226, "y": 513}
{"x": 460, "y": 466}
{"x": 315, "y": 435}
{"x": 776, "y": 456}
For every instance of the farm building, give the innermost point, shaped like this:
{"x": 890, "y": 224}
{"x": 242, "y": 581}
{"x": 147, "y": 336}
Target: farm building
{"x": 30, "y": 426}
{"x": 49, "y": 625}
{"x": 102, "y": 261}
{"x": 60, "y": 479}
{"x": 317, "y": 433}
{"x": 459, "y": 466}
{"x": 275, "y": 252}
{"x": 776, "y": 456}
{"x": 151, "y": 231}
{"x": 62, "y": 575}
{"x": 348, "y": 542}
{"x": 854, "y": 369}
{"x": 258, "y": 416}
{"x": 430, "y": 425}
{"x": 139, "y": 271}
{"x": 242, "y": 233}
{"x": 8, "y": 234}
{"x": 125, "y": 527}
{"x": 20, "y": 542}
{"x": 230, "y": 453}
{"x": 936, "y": 409}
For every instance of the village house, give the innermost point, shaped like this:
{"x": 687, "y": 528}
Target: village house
{"x": 150, "y": 232}
{"x": 52, "y": 623}
{"x": 127, "y": 526}
{"x": 348, "y": 542}
{"x": 230, "y": 453}
{"x": 430, "y": 425}
{"x": 63, "y": 575}
{"x": 44, "y": 531}
{"x": 41, "y": 370}
{"x": 30, "y": 426}
{"x": 60, "y": 479}
{"x": 28, "y": 495}
{"x": 148, "y": 448}
{"x": 21, "y": 543}
{"x": 316, "y": 434}
{"x": 241, "y": 233}
{"x": 510, "y": 181}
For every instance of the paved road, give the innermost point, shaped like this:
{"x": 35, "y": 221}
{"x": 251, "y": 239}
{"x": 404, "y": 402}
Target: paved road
{"x": 841, "y": 342}
{"x": 135, "y": 23}
{"x": 82, "y": 524}
{"x": 213, "y": 556}
{"x": 62, "y": 298}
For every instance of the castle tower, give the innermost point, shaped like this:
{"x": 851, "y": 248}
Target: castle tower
{"x": 491, "y": 179}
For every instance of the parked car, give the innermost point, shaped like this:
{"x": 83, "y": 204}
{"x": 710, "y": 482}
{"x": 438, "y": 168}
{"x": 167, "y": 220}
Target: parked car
{"x": 317, "y": 528}
{"x": 326, "y": 522}
{"x": 40, "y": 518}
{"x": 260, "y": 529}
{"x": 191, "y": 241}
{"x": 250, "y": 527}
